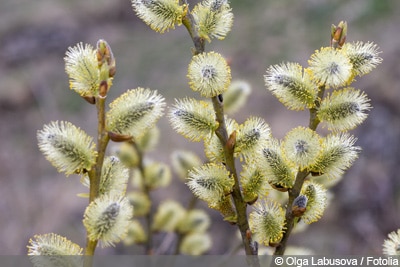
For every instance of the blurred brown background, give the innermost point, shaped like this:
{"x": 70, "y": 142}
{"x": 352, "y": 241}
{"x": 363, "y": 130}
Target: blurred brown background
{"x": 34, "y": 35}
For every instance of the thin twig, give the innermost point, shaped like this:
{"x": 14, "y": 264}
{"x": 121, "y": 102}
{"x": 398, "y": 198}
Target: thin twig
{"x": 294, "y": 192}
{"x": 95, "y": 173}
{"x": 240, "y": 206}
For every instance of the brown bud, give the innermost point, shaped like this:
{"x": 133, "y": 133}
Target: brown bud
{"x": 103, "y": 88}
{"x": 248, "y": 234}
{"x": 338, "y": 34}
{"x": 104, "y": 54}
{"x": 90, "y": 99}
{"x": 112, "y": 71}
{"x": 316, "y": 173}
{"x": 279, "y": 187}
{"x": 116, "y": 137}
{"x": 274, "y": 244}
{"x": 231, "y": 141}
{"x": 299, "y": 205}
{"x": 252, "y": 201}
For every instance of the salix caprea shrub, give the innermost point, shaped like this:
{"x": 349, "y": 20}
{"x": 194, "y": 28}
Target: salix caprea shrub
{"x": 281, "y": 183}
{"x": 304, "y": 163}
{"x": 113, "y": 214}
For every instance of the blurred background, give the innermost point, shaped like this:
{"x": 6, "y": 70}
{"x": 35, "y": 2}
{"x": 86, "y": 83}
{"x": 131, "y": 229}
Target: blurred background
{"x": 34, "y": 35}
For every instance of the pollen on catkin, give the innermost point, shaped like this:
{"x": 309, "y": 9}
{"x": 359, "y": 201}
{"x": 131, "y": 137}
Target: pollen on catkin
{"x": 193, "y": 119}
{"x": 391, "y": 246}
{"x": 253, "y": 135}
{"x": 267, "y": 222}
{"x": 82, "y": 68}
{"x": 226, "y": 207}
{"x": 214, "y": 19}
{"x": 107, "y": 219}
{"x": 212, "y": 146}
{"x": 301, "y": 147}
{"x": 278, "y": 171}
{"x": 363, "y": 56}
{"x": 114, "y": 177}
{"x": 254, "y": 183}
{"x": 209, "y": 74}
{"x": 344, "y": 109}
{"x": 52, "y": 245}
{"x": 134, "y": 112}
{"x": 67, "y": 147}
{"x": 337, "y": 155}
{"x": 160, "y": 15}
{"x": 210, "y": 182}
{"x": 291, "y": 85}
{"x": 317, "y": 201}
{"x": 330, "y": 67}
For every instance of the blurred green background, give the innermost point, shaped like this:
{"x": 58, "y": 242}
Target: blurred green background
{"x": 34, "y": 35}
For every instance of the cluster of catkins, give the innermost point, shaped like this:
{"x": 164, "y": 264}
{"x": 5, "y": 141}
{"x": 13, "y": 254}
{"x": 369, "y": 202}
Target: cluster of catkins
{"x": 323, "y": 87}
{"x": 269, "y": 166}
{"x": 111, "y": 216}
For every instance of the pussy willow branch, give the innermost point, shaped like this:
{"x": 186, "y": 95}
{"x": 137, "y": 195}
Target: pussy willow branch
{"x": 221, "y": 132}
{"x": 240, "y": 204}
{"x": 300, "y": 177}
{"x": 95, "y": 173}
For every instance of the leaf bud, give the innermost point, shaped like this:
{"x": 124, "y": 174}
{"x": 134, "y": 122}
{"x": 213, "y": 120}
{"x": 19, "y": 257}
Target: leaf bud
{"x": 338, "y": 34}
{"x": 105, "y": 55}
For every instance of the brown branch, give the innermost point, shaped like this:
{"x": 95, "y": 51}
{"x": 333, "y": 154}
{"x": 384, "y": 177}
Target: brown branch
{"x": 95, "y": 173}
{"x": 240, "y": 205}
{"x": 294, "y": 192}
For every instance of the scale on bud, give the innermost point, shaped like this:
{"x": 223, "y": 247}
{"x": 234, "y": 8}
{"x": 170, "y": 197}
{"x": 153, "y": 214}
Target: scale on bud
{"x": 338, "y": 34}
